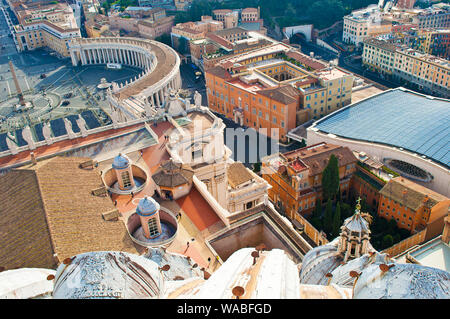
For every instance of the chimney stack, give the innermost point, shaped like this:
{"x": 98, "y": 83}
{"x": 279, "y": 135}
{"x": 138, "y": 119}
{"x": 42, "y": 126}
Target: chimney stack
{"x": 33, "y": 158}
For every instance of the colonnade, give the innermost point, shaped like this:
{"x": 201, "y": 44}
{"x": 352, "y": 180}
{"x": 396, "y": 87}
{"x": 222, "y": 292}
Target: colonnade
{"x": 150, "y": 56}
{"x": 99, "y": 55}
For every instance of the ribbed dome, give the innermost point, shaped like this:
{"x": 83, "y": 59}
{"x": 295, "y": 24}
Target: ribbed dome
{"x": 318, "y": 262}
{"x": 121, "y": 162}
{"x": 108, "y": 275}
{"x": 172, "y": 174}
{"x": 147, "y": 206}
{"x": 356, "y": 223}
{"x": 403, "y": 281}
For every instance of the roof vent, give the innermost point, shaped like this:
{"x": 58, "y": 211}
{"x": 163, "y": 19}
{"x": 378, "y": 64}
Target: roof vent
{"x": 385, "y": 268}
{"x": 238, "y": 291}
{"x": 87, "y": 164}
{"x": 255, "y": 255}
{"x": 164, "y": 268}
{"x": 112, "y": 215}
{"x": 178, "y": 278}
{"x": 101, "y": 191}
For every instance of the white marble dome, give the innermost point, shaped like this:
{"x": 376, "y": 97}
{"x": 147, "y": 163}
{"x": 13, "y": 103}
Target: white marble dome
{"x": 108, "y": 275}
{"x": 403, "y": 281}
{"x": 318, "y": 262}
{"x": 26, "y": 283}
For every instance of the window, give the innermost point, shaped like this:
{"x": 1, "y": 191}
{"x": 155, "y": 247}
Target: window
{"x": 126, "y": 179}
{"x": 153, "y": 227}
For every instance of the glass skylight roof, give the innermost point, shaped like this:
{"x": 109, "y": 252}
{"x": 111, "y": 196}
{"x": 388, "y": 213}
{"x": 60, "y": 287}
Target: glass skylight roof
{"x": 398, "y": 118}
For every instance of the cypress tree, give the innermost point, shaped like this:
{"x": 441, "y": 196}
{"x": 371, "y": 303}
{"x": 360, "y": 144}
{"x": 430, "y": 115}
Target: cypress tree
{"x": 387, "y": 241}
{"x": 337, "y": 220}
{"x": 328, "y": 218}
{"x": 317, "y": 213}
{"x": 330, "y": 178}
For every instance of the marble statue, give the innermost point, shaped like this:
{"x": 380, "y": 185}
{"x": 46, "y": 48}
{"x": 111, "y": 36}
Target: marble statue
{"x": 188, "y": 104}
{"x": 82, "y": 125}
{"x": 12, "y": 146}
{"x": 197, "y": 99}
{"x": 28, "y": 137}
{"x": 46, "y": 131}
{"x": 68, "y": 126}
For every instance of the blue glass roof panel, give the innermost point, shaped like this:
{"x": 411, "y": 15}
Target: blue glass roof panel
{"x": 400, "y": 118}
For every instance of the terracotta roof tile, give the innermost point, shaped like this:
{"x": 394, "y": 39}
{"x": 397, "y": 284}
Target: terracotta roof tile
{"x": 51, "y": 205}
{"x": 238, "y": 174}
{"x": 410, "y": 194}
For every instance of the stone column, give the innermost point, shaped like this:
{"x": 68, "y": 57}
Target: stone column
{"x": 83, "y": 57}
{"x": 121, "y": 56}
{"x": 74, "y": 58}
{"x": 116, "y": 52}
{"x": 128, "y": 57}
{"x": 157, "y": 99}
{"x": 89, "y": 56}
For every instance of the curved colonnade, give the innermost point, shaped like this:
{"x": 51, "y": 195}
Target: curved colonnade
{"x": 159, "y": 63}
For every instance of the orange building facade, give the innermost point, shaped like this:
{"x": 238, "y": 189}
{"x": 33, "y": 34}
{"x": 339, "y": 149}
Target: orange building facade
{"x": 296, "y": 176}
{"x": 251, "y": 105}
{"x": 413, "y": 206}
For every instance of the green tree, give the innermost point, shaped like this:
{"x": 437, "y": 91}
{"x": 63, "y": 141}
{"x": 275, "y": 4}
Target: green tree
{"x": 330, "y": 178}
{"x": 328, "y": 218}
{"x": 337, "y": 220}
{"x": 391, "y": 227}
{"x": 346, "y": 210}
{"x": 317, "y": 212}
{"x": 325, "y": 12}
{"x": 182, "y": 45}
{"x": 165, "y": 38}
{"x": 387, "y": 241}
